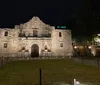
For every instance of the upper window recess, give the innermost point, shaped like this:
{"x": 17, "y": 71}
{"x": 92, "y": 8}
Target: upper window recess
{"x": 6, "y": 33}
{"x": 35, "y": 33}
{"x": 60, "y": 34}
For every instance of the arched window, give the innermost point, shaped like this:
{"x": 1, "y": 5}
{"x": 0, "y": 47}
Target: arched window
{"x": 6, "y": 33}
{"x": 35, "y": 33}
{"x": 60, "y": 34}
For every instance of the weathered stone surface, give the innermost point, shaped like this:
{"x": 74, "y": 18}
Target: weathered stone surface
{"x": 19, "y": 40}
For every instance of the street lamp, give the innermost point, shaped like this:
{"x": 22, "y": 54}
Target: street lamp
{"x": 75, "y": 47}
{"x": 75, "y": 51}
{"x": 89, "y": 47}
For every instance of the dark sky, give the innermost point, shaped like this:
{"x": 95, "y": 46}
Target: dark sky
{"x": 81, "y": 16}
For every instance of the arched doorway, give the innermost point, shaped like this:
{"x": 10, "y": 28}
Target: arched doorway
{"x": 34, "y": 50}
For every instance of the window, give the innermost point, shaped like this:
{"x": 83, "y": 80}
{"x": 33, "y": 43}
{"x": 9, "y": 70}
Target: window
{"x": 6, "y": 33}
{"x": 5, "y": 45}
{"x": 61, "y": 44}
{"x": 35, "y": 33}
{"x": 60, "y": 34}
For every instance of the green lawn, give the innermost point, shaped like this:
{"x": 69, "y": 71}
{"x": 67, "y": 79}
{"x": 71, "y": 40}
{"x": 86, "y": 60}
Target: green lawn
{"x": 27, "y": 72}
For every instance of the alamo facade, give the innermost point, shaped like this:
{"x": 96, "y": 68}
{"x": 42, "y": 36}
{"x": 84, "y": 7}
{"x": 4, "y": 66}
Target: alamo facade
{"x": 35, "y": 39}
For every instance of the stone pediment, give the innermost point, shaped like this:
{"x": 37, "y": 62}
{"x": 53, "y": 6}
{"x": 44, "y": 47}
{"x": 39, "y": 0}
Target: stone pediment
{"x": 35, "y": 19}
{"x": 35, "y": 22}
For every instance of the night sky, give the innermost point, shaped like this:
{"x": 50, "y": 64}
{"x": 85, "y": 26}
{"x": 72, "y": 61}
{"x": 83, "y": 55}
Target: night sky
{"x": 81, "y": 16}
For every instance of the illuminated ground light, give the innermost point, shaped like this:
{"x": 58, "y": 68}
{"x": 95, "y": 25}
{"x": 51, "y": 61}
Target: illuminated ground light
{"x": 76, "y": 83}
{"x": 79, "y": 83}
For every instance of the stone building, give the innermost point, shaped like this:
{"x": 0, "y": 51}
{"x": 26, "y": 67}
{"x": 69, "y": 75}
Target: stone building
{"x": 35, "y": 39}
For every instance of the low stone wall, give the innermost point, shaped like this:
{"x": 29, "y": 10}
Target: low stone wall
{"x": 5, "y": 60}
{"x": 87, "y": 62}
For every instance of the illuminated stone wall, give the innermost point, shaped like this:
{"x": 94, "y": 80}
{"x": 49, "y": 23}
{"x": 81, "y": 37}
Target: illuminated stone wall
{"x": 18, "y": 41}
{"x": 61, "y": 42}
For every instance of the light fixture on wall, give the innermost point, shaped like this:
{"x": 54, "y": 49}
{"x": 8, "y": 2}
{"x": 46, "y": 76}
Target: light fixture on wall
{"x": 46, "y": 50}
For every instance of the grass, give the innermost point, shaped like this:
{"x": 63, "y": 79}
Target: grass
{"x": 27, "y": 72}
